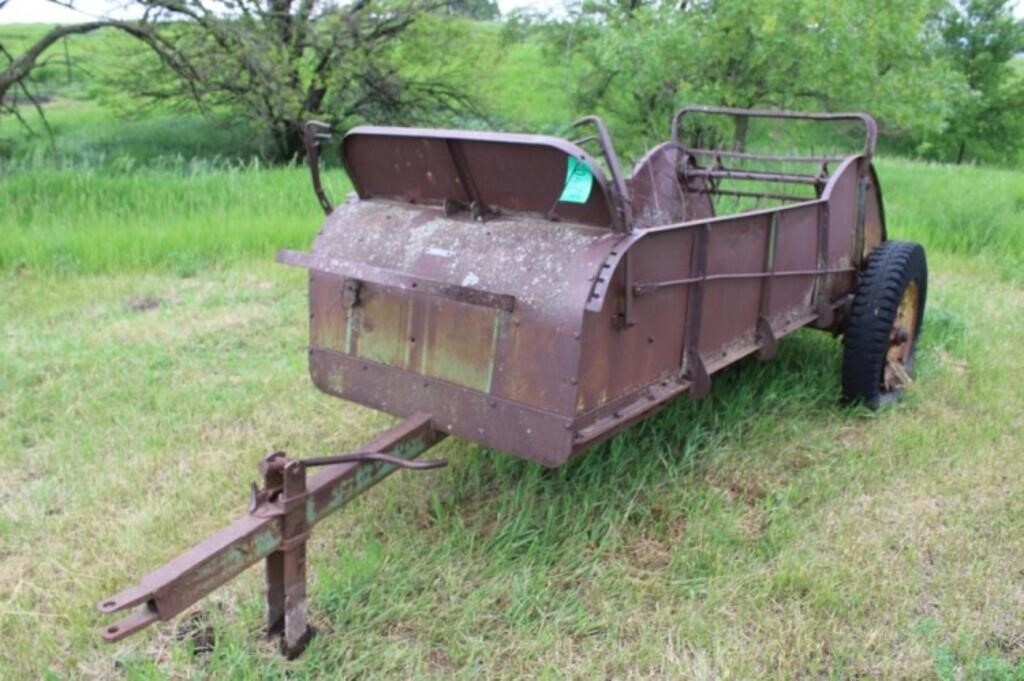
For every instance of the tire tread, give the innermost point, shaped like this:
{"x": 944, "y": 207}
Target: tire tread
{"x": 890, "y": 269}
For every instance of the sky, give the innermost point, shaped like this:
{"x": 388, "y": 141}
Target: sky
{"x": 19, "y": 11}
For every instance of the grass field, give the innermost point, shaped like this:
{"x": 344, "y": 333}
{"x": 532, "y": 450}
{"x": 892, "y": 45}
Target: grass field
{"x": 151, "y": 354}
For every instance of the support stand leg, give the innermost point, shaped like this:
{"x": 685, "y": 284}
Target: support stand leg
{"x": 297, "y": 631}
{"x": 286, "y": 568}
{"x": 275, "y": 593}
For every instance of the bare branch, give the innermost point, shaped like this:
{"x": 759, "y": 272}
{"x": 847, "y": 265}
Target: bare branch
{"x": 42, "y": 115}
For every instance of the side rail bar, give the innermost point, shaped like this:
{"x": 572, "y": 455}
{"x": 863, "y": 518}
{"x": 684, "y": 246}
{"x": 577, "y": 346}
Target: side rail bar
{"x": 276, "y": 528}
{"x": 870, "y": 126}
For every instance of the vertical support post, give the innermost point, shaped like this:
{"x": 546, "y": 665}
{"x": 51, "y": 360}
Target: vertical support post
{"x": 862, "y": 198}
{"x": 627, "y": 313}
{"x": 693, "y": 366}
{"x": 769, "y": 346}
{"x": 822, "y": 304}
{"x": 287, "y": 609}
{"x": 273, "y": 479}
{"x": 296, "y": 620}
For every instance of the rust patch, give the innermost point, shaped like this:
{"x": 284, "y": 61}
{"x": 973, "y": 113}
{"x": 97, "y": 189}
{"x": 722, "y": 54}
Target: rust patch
{"x": 460, "y": 343}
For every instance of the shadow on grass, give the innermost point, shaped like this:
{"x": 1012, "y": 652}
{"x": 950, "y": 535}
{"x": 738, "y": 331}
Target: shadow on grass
{"x": 509, "y": 511}
{"x": 505, "y": 514}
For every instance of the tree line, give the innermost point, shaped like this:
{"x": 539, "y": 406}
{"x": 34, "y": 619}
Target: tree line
{"x": 940, "y": 75}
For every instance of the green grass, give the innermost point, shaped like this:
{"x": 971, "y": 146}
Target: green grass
{"x": 182, "y": 215}
{"x": 84, "y": 133}
{"x": 969, "y": 210}
{"x": 763, "y": 532}
{"x": 150, "y": 354}
{"x": 109, "y": 219}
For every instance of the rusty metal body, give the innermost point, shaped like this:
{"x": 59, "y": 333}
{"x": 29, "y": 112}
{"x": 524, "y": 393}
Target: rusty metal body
{"x": 455, "y": 282}
{"x": 468, "y": 290}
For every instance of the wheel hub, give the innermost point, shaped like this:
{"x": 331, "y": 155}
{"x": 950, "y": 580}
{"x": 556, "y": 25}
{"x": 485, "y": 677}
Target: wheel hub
{"x": 899, "y": 356}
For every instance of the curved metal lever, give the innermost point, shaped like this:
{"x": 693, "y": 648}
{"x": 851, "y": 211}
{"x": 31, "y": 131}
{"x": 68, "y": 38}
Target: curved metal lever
{"x": 364, "y": 457}
{"x": 313, "y": 133}
{"x": 620, "y": 192}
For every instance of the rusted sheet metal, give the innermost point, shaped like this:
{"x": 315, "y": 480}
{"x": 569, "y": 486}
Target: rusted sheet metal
{"x": 516, "y": 173}
{"x": 526, "y": 351}
{"x": 558, "y": 319}
{"x": 507, "y": 425}
{"x": 658, "y": 197}
{"x": 167, "y": 591}
{"x": 361, "y": 274}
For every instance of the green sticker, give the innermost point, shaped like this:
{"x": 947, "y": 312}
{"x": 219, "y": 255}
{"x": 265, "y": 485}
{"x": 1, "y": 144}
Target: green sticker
{"x": 578, "y": 182}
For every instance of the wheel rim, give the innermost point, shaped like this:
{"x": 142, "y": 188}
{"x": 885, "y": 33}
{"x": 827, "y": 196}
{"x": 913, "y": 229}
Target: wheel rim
{"x": 900, "y": 355}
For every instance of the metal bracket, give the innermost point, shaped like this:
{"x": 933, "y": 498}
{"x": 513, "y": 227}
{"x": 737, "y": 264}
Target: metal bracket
{"x": 478, "y": 209}
{"x": 284, "y": 494}
{"x": 693, "y": 366}
{"x": 351, "y": 293}
{"x": 287, "y": 610}
{"x": 769, "y": 344}
{"x": 822, "y": 304}
{"x": 697, "y": 374}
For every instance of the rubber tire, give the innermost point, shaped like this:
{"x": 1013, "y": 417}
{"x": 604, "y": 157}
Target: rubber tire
{"x": 890, "y": 269}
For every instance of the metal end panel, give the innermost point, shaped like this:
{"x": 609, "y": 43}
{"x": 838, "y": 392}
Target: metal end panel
{"x": 478, "y": 322}
{"x": 496, "y": 171}
{"x": 657, "y": 195}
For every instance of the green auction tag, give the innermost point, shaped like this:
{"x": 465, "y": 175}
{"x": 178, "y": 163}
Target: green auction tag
{"x": 578, "y": 181}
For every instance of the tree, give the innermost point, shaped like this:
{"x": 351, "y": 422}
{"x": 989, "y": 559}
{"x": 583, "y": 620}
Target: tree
{"x": 277, "y": 63}
{"x": 982, "y": 37}
{"x": 637, "y": 62}
{"x": 18, "y": 68}
{"x": 281, "y": 62}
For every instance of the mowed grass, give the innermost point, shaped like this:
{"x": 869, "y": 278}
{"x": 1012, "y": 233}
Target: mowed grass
{"x": 763, "y": 532}
{"x": 766, "y": 532}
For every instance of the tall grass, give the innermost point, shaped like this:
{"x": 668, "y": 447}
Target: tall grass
{"x": 967, "y": 210}
{"x": 184, "y": 215}
{"x": 116, "y": 217}
{"x": 85, "y": 132}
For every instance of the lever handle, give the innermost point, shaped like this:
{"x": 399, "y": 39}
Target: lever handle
{"x": 363, "y": 457}
{"x": 313, "y": 133}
